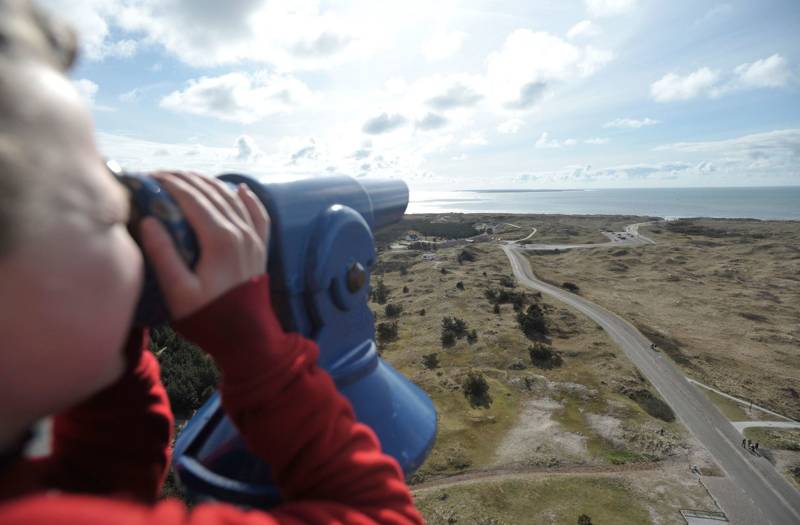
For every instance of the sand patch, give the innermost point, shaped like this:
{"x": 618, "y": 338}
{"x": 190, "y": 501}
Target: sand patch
{"x": 538, "y": 440}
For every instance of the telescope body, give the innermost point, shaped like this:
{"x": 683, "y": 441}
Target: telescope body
{"x": 321, "y": 252}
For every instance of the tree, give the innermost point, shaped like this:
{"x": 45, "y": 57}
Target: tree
{"x": 543, "y": 356}
{"x": 393, "y": 310}
{"x": 455, "y": 325}
{"x": 381, "y": 293}
{"x": 476, "y": 389}
{"x": 507, "y": 281}
{"x": 448, "y": 338}
{"x": 532, "y": 322}
{"x": 188, "y": 374}
{"x": 430, "y": 361}
{"x": 387, "y": 332}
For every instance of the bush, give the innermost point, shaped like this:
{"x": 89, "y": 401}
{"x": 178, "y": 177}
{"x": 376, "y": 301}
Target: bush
{"x": 430, "y": 361}
{"x": 583, "y": 519}
{"x": 501, "y": 296}
{"x": 472, "y": 337}
{"x": 532, "y": 322}
{"x": 443, "y": 270}
{"x": 460, "y": 285}
{"x": 387, "y": 332}
{"x": 448, "y": 338}
{"x": 507, "y": 281}
{"x": 466, "y": 255}
{"x": 543, "y": 356}
{"x": 381, "y": 293}
{"x": 651, "y": 404}
{"x": 570, "y": 287}
{"x": 393, "y": 310}
{"x": 403, "y": 270}
{"x": 497, "y": 308}
{"x": 484, "y": 274}
{"x": 455, "y": 325}
{"x": 405, "y": 289}
{"x": 188, "y": 374}
{"x": 476, "y": 389}
{"x": 422, "y": 312}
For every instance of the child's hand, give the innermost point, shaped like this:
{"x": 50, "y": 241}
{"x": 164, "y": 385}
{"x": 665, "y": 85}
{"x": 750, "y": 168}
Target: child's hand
{"x": 232, "y": 229}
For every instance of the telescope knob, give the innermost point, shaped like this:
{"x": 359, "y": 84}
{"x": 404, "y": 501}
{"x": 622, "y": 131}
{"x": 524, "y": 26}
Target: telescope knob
{"x": 341, "y": 250}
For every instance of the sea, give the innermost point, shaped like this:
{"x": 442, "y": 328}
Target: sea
{"x": 769, "y": 203}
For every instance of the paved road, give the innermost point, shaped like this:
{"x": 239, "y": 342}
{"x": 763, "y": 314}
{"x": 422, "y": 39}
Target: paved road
{"x": 759, "y": 484}
{"x": 741, "y": 425}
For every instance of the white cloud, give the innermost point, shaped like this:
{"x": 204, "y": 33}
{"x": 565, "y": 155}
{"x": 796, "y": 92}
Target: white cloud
{"x": 475, "y": 138}
{"x": 443, "y": 45}
{"x": 630, "y": 123}
{"x": 779, "y": 142}
{"x": 597, "y": 141}
{"x": 520, "y": 74}
{"x": 673, "y": 87}
{"x": 770, "y": 72}
{"x": 248, "y": 150}
{"x": 295, "y": 35}
{"x": 239, "y": 97}
{"x": 583, "y": 29}
{"x": 602, "y": 8}
{"x": 510, "y": 127}
{"x": 384, "y": 123}
{"x": 544, "y": 142}
{"x": 92, "y": 19}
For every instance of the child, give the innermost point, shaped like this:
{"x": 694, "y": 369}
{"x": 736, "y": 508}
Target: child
{"x": 70, "y": 276}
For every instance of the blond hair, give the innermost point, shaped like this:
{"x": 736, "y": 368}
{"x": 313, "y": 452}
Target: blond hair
{"x": 26, "y": 34}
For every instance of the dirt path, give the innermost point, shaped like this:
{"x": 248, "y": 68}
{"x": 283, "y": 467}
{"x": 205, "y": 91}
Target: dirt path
{"x": 505, "y": 473}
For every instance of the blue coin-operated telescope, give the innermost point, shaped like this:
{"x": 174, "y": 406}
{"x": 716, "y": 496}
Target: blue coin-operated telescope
{"x": 321, "y": 252}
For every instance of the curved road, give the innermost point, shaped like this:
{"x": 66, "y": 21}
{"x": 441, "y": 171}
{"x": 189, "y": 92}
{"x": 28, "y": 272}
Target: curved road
{"x": 759, "y": 486}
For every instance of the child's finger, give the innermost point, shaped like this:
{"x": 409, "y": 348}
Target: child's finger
{"x": 258, "y": 214}
{"x": 233, "y": 200}
{"x": 207, "y": 221}
{"x": 172, "y": 272}
{"x": 214, "y": 195}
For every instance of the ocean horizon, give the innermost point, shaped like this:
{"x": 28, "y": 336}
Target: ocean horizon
{"x": 764, "y": 202}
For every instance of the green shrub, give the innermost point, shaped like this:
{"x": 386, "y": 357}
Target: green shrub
{"x": 381, "y": 293}
{"x": 430, "y": 361}
{"x": 188, "y": 374}
{"x": 460, "y": 285}
{"x": 448, "y": 338}
{"x": 387, "y": 332}
{"x": 393, "y": 310}
{"x": 532, "y": 322}
{"x": 476, "y": 389}
{"x": 543, "y": 356}
{"x": 570, "y": 287}
{"x": 472, "y": 337}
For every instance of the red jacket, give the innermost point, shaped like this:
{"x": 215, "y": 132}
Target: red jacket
{"x": 111, "y": 453}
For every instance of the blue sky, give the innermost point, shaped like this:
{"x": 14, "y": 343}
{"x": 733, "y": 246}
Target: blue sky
{"x": 449, "y": 95}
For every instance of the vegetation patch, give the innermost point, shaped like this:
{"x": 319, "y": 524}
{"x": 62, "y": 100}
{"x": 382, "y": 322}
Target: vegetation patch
{"x": 650, "y": 403}
{"x": 775, "y": 438}
{"x": 188, "y": 374}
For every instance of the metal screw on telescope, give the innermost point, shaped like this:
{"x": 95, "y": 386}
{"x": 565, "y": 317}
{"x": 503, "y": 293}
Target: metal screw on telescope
{"x": 356, "y": 277}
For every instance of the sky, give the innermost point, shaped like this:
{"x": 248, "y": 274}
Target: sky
{"x": 448, "y": 95}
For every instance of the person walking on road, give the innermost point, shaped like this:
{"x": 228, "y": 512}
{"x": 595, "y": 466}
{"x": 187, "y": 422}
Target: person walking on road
{"x": 744, "y": 443}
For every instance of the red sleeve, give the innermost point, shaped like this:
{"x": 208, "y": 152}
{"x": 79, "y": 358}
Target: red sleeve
{"x": 291, "y": 415}
{"x": 118, "y": 441}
